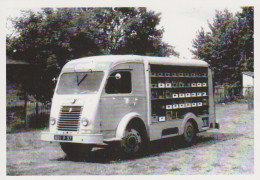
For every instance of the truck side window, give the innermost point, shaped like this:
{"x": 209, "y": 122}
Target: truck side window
{"x": 119, "y": 82}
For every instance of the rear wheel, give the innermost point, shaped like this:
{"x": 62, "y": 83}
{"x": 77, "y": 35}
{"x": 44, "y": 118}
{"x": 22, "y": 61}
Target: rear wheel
{"x": 189, "y": 134}
{"x": 76, "y": 149}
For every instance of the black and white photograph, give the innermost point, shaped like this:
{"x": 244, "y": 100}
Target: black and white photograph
{"x": 128, "y": 88}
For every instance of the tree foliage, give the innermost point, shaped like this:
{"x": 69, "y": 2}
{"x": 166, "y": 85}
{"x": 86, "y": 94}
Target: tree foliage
{"x": 229, "y": 46}
{"x": 51, "y": 37}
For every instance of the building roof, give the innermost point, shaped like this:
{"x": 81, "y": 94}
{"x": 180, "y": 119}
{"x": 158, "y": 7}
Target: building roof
{"x": 11, "y": 61}
{"x": 248, "y": 73}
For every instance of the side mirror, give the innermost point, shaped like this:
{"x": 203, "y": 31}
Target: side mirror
{"x": 54, "y": 80}
{"x": 118, "y": 76}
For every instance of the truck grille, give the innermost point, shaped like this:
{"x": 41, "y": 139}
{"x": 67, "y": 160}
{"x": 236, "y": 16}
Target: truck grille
{"x": 69, "y": 118}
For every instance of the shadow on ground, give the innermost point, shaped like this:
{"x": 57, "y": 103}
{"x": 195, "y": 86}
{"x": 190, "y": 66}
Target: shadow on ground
{"x": 155, "y": 148}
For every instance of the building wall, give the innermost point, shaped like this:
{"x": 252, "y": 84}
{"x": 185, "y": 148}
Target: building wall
{"x": 248, "y": 81}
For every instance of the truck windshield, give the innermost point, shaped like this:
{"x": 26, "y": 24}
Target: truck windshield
{"x": 80, "y": 82}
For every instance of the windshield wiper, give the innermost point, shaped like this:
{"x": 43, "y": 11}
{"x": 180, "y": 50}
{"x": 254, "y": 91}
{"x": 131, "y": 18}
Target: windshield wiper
{"x": 81, "y": 79}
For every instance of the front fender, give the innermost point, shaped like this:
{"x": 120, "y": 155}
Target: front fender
{"x": 120, "y": 132}
{"x": 185, "y": 119}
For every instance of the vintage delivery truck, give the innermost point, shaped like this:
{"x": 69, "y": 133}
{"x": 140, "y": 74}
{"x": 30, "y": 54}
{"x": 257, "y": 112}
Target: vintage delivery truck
{"x": 131, "y": 100}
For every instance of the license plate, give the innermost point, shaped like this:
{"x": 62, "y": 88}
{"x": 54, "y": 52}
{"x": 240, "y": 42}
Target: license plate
{"x": 63, "y": 138}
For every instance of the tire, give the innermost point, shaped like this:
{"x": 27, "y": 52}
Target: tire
{"x": 133, "y": 141}
{"x": 189, "y": 134}
{"x": 75, "y": 149}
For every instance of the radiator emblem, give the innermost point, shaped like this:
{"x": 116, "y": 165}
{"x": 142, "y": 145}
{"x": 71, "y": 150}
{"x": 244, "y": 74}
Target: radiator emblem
{"x": 73, "y": 101}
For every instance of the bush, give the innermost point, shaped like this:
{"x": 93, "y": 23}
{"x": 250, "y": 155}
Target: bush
{"x": 14, "y": 113}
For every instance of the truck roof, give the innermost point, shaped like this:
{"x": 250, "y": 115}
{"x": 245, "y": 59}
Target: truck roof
{"x": 113, "y": 60}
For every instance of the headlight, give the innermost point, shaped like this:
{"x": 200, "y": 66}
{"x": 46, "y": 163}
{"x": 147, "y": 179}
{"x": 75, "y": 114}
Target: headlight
{"x": 85, "y": 122}
{"x": 52, "y": 121}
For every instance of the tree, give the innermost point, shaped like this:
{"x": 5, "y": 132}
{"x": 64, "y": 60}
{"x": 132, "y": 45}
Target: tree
{"x": 51, "y": 37}
{"x": 228, "y": 47}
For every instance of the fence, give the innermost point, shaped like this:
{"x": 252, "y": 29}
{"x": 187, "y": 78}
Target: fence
{"x": 32, "y": 108}
{"x": 37, "y": 114}
{"x": 228, "y": 94}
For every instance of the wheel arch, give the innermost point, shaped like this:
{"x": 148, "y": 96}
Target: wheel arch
{"x": 131, "y": 119}
{"x": 191, "y": 118}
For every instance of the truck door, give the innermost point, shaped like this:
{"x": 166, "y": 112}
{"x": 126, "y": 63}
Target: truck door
{"x": 124, "y": 92}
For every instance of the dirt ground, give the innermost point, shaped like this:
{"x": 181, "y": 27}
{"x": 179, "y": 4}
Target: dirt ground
{"x": 229, "y": 150}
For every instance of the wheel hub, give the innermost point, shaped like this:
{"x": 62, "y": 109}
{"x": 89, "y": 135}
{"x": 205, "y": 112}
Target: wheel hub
{"x": 189, "y": 131}
{"x": 131, "y": 141}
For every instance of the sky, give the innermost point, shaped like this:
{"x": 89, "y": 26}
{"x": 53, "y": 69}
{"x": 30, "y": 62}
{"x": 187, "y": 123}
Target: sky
{"x": 181, "y": 21}
{"x": 182, "y": 24}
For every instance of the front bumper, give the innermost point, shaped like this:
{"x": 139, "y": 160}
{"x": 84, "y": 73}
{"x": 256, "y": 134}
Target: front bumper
{"x": 77, "y": 138}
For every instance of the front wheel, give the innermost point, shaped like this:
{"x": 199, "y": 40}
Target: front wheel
{"x": 189, "y": 134}
{"x": 133, "y": 141}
